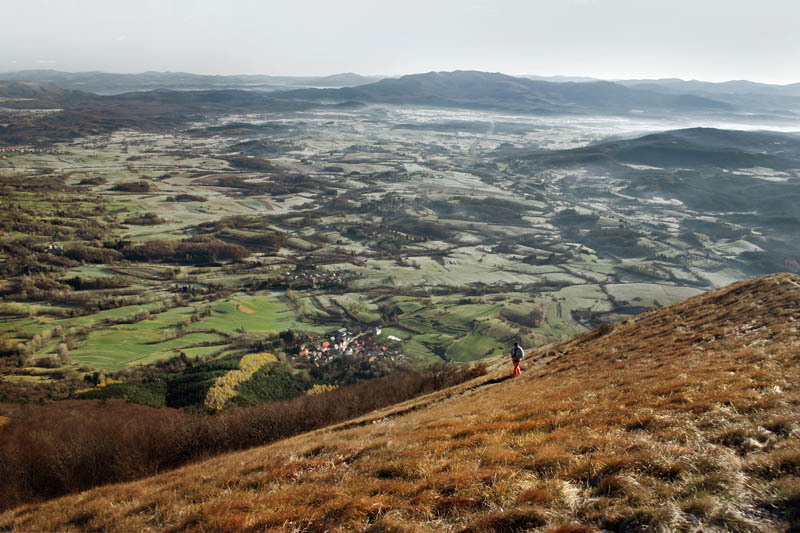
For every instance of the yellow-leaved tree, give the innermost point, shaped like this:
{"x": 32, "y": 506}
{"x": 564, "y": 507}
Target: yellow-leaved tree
{"x": 224, "y": 387}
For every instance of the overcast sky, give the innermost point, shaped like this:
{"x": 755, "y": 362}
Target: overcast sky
{"x": 713, "y": 40}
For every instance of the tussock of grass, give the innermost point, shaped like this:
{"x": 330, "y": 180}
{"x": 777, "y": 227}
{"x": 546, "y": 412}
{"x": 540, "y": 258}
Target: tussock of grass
{"x": 603, "y": 431}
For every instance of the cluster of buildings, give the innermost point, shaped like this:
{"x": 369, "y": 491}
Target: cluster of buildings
{"x": 346, "y": 343}
{"x": 14, "y": 150}
{"x": 314, "y": 279}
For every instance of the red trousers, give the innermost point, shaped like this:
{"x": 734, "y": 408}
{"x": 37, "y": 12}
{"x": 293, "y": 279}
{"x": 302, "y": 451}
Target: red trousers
{"x": 516, "y": 371}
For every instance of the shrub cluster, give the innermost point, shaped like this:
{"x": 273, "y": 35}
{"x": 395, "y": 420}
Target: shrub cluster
{"x": 140, "y": 186}
{"x": 70, "y": 446}
{"x": 250, "y": 163}
{"x": 198, "y": 250}
{"x": 146, "y": 219}
{"x": 93, "y": 180}
{"x": 423, "y": 228}
{"x": 152, "y": 393}
{"x": 492, "y": 210}
{"x": 92, "y": 254}
{"x": 89, "y": 283}
{"x": 184, "y": 197}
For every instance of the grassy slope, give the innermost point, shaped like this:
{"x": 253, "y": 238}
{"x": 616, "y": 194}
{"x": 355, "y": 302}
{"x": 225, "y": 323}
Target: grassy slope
{"x": 679, "y": 419}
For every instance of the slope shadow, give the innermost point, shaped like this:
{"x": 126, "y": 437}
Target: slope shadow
{"x": 495, "y": 381}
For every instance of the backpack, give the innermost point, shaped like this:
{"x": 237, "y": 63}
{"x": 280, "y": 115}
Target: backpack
{"x": 516, "y": 353}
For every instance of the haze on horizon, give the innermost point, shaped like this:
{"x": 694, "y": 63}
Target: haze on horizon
{"x": 711, "y": 40}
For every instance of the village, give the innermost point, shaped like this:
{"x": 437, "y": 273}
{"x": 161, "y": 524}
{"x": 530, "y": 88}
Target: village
{"x": 293, "y": 279}
{"x": 348, "y": 343}
{"x": 17, "y": 150}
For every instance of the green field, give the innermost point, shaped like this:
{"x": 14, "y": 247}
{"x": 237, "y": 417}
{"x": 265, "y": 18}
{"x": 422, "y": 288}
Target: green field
{"x": 124, "y": 345}
{"x": 249, "y": 314}
{"x": 118, "y": 347}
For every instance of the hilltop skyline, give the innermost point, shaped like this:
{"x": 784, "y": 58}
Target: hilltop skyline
{"x": 607, "y": 39}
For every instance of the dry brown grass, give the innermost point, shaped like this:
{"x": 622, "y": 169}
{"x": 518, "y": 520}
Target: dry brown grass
{"x": 684, "y": 420}
{"x": 69, "y": 446}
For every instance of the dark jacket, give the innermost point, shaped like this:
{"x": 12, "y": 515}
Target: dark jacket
{"x": 517, "y": 353}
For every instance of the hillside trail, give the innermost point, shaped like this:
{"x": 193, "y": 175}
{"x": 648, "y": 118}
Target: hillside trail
{"x": 498, "y": 374}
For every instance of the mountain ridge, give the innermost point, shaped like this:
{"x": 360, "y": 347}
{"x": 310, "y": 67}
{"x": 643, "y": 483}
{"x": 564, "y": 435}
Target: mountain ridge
{"x": 484, "y": 90}
{"x": 107, "y": 83}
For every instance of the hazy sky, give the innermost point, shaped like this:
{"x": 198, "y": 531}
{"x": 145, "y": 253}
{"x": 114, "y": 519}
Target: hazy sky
{"x": 713, "y": 40}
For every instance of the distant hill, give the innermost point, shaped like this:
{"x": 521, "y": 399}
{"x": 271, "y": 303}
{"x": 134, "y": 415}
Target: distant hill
{"x": 347, "y": 79}
{"x": 680, "y": 86}
{"x": 561, "y": 79}
{"x": 679, "y": 419}
{"x": 30, "y": 89}
{"x": 703, "y": 168}
{"x": 779, "y": 100}
{"x": 484, "y": 90}
{"x": 686, "y": 148}
{"x": 676, "y": 85}
{"x": 111, "y": 83}
{"x": 83, "y": 113}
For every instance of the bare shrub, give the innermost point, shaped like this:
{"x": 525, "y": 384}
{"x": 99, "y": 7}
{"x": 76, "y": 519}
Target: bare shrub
{"x": 140, "y": 186}
{"x": 63, "y": 353}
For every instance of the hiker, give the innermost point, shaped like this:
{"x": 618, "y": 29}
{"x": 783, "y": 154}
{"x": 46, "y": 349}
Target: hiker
{"x": 517, "y": 353}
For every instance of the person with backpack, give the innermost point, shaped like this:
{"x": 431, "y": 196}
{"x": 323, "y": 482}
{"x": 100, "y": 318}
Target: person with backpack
{"x": 517, "y": 353}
